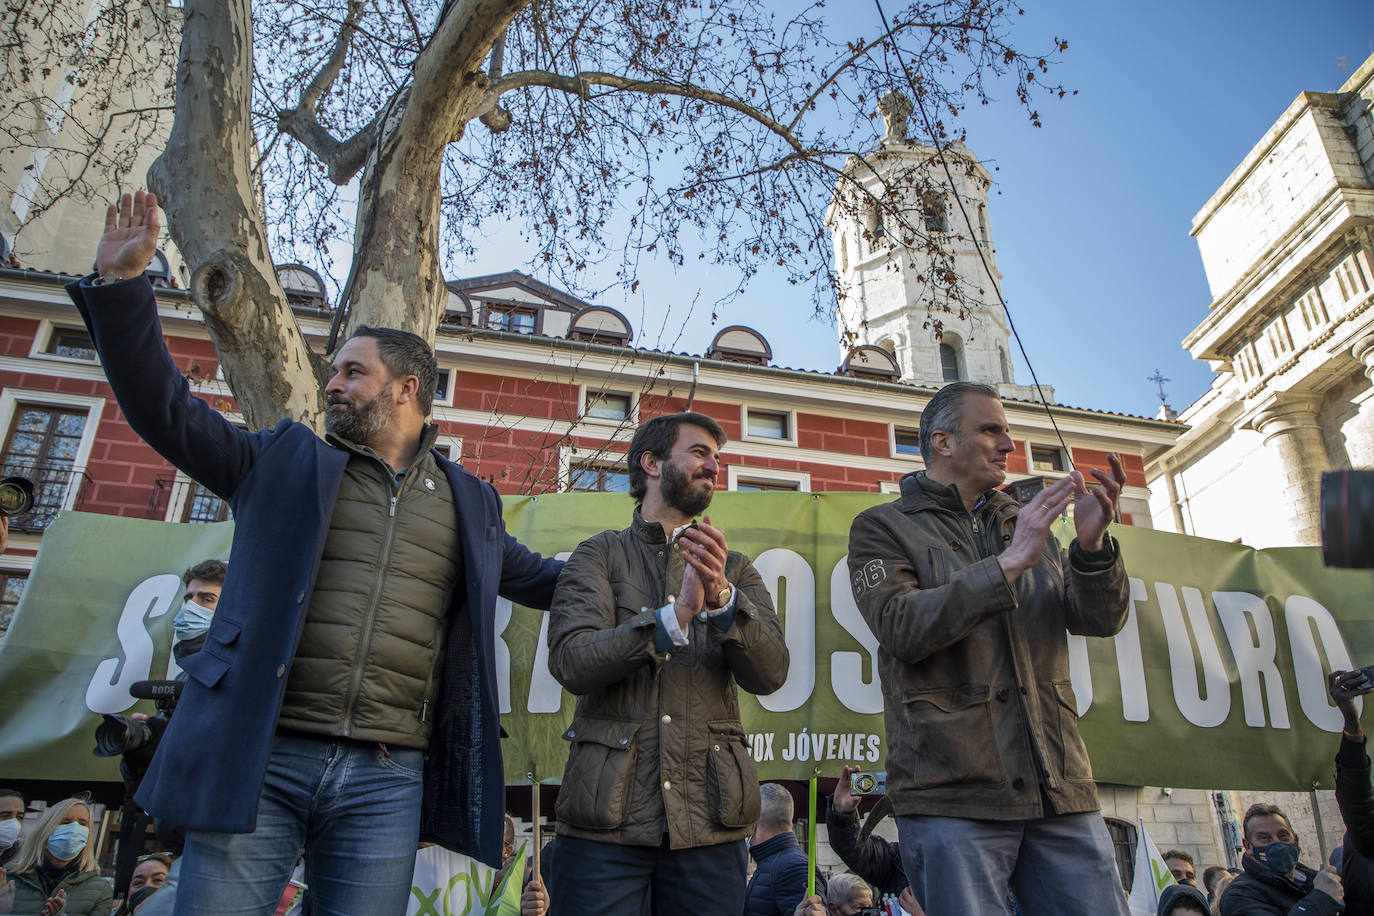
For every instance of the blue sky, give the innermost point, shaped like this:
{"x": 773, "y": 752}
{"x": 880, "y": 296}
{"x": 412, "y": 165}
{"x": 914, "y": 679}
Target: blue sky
{"x": 1091, "y": 212}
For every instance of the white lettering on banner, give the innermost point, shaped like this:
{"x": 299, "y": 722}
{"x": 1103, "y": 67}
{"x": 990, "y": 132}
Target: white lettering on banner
{"x": 108, "y": 691}
{"x": 1244, "y": 615}
{"x": 806, "y": 746}
{"x": 546, "y": 694}
{"x": 504, "y": 609}
{"x": 846, "y": 668}
{"x": 796, "y": 604}
{"x": 1080, "y": 673}
{"x": 1212, "y": 709}
{"x": 1130, "y": 661}
{"x": 1245, "y": 619}
{"x": 1302, "y": 613}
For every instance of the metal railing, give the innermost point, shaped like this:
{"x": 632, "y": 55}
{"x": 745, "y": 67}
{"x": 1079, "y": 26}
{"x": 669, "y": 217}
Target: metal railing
{"x": 194, "y": 503}
{"x": 55, "y": 487}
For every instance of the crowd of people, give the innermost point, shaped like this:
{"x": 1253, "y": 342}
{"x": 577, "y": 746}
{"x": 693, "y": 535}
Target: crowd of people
{"x": 349, "y": 651}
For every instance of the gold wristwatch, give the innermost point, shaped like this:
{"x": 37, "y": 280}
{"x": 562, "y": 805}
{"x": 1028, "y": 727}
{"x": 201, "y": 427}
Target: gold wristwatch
{"x": 723, "y": 596}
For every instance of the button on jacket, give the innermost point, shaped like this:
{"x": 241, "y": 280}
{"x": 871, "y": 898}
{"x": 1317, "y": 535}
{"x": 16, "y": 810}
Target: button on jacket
{"x": 980, "y": 714}
{"x": 656, "y": 744}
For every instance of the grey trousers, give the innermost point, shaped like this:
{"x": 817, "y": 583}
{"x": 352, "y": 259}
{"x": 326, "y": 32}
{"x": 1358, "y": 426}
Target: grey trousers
{"x": 1057, "y": 866}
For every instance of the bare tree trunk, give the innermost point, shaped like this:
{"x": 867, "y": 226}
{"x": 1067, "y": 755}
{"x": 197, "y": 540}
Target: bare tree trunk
{"x": 205, "y": 183}
{"x": 396, "y": 280}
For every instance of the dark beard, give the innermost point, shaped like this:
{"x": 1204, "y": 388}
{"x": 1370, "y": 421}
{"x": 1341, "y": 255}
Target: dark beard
{"x": 359, "y": 424}
{"x": 678, "y": 493}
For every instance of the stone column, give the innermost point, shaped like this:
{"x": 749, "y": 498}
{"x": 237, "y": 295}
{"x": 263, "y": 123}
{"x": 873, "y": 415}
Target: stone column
{"x": 1359, "y": 434}
{"x": 1289, "y": 427}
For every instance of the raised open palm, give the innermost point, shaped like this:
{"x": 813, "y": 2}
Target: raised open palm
{"x": 130, "y": 238}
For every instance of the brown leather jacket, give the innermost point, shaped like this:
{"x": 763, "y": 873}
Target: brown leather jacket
{"x": 656, "y": 741}
{"x": 980, "y": 714}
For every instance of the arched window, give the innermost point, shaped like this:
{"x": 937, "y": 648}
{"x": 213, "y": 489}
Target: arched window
{"x": 949, "y": 363}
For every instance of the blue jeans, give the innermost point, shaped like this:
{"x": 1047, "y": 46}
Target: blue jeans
{"x": 1060, "y": 865}
{"x": 353, "y": 810}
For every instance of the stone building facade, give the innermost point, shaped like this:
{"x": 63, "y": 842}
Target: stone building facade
{"x": 1288, "y": 247}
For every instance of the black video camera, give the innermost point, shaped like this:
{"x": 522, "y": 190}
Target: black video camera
{"x": 138, "y": 737}
{"x": 1347, "y": 519}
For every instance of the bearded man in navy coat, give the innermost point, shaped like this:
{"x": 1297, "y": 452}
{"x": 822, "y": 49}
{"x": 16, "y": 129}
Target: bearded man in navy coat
{"x": 345, "y": 703}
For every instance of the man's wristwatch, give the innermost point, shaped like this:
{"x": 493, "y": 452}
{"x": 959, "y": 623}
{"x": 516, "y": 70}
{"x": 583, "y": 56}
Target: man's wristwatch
{"x": 722, "y": 597}
{"x": 111, "y": 277}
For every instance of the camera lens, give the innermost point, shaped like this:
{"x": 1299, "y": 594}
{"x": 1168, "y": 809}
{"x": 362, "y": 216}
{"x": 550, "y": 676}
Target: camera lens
{"x": 16, "y": 495}
{"x": 1347, "y": 519}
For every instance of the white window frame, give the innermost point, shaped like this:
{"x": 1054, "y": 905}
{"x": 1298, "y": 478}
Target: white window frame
{"x": 790, "y": 415}
{"x": 572, "y": 453}
{"x": 451, "y": 445}
{"x": 1063, "y": 459}
{"x": 447, "y": 399}
{"x": 734, "y": 472}
{"x": 892, "y": 442}
{"x": 585, "y": 392}
{"x": 43, "y": 339}
{"x": 12, "y": 398}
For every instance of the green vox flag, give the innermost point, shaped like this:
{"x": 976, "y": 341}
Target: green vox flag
{"x": 1217, "y": 679}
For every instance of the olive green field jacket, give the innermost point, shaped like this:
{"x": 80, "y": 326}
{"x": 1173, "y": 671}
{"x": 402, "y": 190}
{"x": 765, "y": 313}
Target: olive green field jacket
{"x": 656, "y": 746}
{"x": 980, "y": 713}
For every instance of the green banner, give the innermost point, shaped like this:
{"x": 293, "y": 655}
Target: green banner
{"x": 1217, "y": 680}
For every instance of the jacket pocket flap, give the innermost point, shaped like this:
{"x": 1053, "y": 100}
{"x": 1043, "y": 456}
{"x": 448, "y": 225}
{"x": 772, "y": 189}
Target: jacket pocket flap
{"x": 224, "y": 630}
{"x": 725, "y": 727}
{"x": 606, "y": 732}
{"x": 1064, "y": 691}
{"x": 951, "y": 699}
{"x": 205, "y": 667}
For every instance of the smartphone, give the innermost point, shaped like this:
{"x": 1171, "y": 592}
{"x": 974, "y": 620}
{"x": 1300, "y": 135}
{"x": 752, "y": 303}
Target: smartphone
{"x": 1361, "y": 688}
{"x": 868, "y": 783}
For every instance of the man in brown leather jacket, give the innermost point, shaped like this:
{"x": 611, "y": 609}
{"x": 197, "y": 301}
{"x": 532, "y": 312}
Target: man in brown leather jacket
{"x": 652, "y": 628}
{"x": 970, "y": 596}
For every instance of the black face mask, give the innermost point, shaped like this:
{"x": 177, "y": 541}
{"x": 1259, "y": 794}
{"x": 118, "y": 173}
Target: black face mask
{"x": 1280, "y": 858}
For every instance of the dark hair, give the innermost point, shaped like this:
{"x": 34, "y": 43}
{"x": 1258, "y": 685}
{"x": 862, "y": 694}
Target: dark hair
{"x": 1210, "y": 874}
{"x": 11, "y": 793}
{"x": 404, "y": 353}
{"x": 206, "y": 571}
{"x": 1178, "y": 854}
{"x": 657, "y": 438}
{"x": 1260, "y": 809}
{"x": 946, "y": 412}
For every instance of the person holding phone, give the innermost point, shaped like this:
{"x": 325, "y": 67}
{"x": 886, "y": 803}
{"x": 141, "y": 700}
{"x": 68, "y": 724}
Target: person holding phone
{"x": 1354, "y": 794}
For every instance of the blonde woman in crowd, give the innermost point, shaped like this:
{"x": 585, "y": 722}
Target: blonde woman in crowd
{"x": 55, "y": 871}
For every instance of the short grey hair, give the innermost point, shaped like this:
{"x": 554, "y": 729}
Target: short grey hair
{"x": 946, "y": 412}
{"x": 776, "y": 809}
{"x": 839, "y": 887}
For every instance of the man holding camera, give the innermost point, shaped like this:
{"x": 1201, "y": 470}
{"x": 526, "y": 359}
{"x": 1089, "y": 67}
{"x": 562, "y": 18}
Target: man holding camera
{"x": 345, "y": 700}
{"x": 969, "y": 596}
{"x": 652, "y": 628}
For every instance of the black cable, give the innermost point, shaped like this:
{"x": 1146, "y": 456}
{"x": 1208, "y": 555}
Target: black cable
{"x": 973, "y": 236}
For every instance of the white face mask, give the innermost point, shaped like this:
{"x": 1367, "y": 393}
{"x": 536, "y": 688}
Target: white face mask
{"x": 9, "y": 831}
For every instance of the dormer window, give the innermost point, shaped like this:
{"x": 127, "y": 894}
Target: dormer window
{"x": 738, "y": 344}
{"x": 159, "y": 272}
{"x": 516, "y": 319}
{"x": 303, "y": 286}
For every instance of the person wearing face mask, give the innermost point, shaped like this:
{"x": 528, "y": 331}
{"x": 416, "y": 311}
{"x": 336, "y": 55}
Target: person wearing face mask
{"x": 11, "y": 824}
{"x": 55, "y": 871}
{"x": 1273, "y": 880}
{"x": 203, "y": 584}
